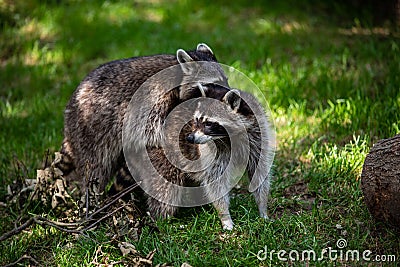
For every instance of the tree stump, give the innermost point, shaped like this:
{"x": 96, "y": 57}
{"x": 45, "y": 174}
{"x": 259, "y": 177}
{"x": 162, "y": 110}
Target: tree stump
{"x": 380, "y": 181}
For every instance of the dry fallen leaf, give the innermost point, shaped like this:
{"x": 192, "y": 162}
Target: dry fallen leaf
{"x": 127, "y": 248}
{"x": 51, "y": 186}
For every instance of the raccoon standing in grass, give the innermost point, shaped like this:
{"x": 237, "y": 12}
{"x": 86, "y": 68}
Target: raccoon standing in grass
{"x": 93, "y": 117}
{"x": 235, "y": 131}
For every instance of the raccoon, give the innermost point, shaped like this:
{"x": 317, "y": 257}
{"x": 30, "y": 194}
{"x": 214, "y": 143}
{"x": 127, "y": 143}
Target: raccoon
{"x": 228, "y": 130}
{"x": 240, "y": 128}
{"x": 94, "y": 115}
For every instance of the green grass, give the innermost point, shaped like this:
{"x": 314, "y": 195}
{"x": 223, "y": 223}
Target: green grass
{"x": 331, "y": 76}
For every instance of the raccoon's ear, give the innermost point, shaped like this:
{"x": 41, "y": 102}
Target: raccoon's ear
{"x": 232, "y": 99}
{"x": 183, "y": 57}
{"x": 202, "y": 47}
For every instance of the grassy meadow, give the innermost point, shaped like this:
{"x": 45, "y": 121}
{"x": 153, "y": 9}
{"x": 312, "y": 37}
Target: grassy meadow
{"x": 329, "y": 71}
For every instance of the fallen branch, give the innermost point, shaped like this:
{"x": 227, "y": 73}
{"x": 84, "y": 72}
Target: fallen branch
{"x": 17, "y": 230}
{"x": 46, "y": 222}
{"x": 76, "y": 227}
{"x": 102, "y": 218}
{"x": 25, "y": 257}
{"x": 113, "y": 199}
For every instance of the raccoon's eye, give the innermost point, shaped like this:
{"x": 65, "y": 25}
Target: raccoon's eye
{"x": 208, "y": 124}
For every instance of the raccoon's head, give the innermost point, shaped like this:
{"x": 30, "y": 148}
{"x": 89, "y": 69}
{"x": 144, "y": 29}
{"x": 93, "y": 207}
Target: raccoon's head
{"x": 218, "y": 119}
{"x": 199, "y": 66}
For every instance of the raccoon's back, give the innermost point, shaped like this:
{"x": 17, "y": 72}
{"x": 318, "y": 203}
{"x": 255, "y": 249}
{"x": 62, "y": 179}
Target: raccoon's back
{"x": 95, "y": 112}
{"x": 124, "y": 77}
{"x": 104, "y": 93}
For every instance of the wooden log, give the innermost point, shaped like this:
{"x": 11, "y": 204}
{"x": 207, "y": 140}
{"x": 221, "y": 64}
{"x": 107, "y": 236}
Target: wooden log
{"x": 380, "y": 181}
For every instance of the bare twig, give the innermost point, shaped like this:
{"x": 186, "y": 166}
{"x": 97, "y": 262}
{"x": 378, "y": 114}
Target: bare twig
{"x": 43, "y": 221}
{"x": 25, "y": 257}
{"x": 115, "y": 198}
{"x": 75, "y": 228}
{"x": 102, "y": 218}
{"x": 17, "y": 230}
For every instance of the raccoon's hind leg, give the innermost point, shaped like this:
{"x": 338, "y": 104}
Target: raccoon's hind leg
{"x": 82, "y": 169}
{"x": 261, "y": 197}
{"x": 66, "y": 164}
{"x": 95, "y": 170}
{"x": 123, "y": 178}
{"x": 158, "y": 183}
{"x": 163, "y": 196}
{"x": 159, "y": 209}
{"x": 261, "y": 193}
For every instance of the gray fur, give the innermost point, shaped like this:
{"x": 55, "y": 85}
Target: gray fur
{"x": 95, "y": 114}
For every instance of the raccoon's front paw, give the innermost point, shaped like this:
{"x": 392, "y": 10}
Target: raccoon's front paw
{"x": 263, "y": 214}
{"x": 266, "y": 218}
{"x": 227, "y": 224}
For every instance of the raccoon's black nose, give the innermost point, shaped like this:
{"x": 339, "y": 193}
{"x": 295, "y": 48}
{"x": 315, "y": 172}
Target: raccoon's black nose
{"x": 190, "y": 138}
